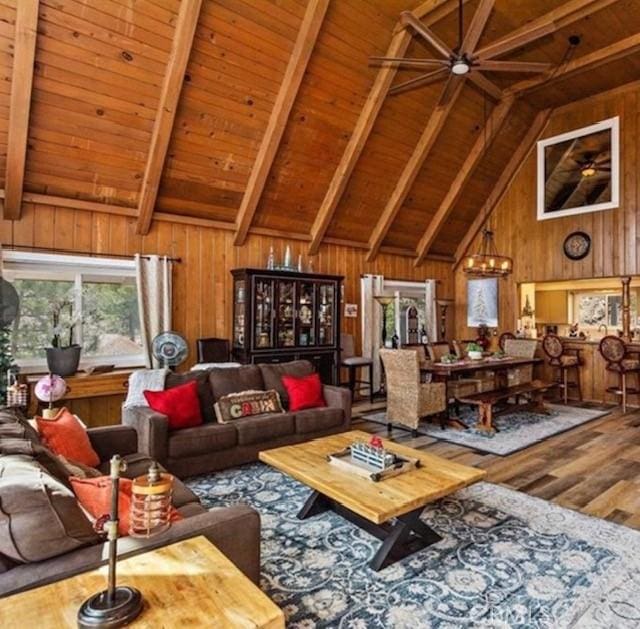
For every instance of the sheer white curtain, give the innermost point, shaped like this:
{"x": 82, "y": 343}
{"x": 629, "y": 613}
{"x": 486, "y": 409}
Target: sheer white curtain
{"x": 431, "y": 310}
{"x": 372, "y": 285}
{"x": 153, "y": 279}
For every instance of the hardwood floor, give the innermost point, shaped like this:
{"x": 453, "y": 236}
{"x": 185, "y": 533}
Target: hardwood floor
{"x": 594, "y": 468}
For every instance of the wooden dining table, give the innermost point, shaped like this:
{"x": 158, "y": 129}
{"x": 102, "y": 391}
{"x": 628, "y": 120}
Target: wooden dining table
{"x": 447, "y": 371}
{"x": 443, "y": 372}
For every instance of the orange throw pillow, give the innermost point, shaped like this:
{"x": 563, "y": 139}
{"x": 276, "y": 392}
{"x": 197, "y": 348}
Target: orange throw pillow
{"x": 66, "y": 436}
{"x": 94, "y": 495}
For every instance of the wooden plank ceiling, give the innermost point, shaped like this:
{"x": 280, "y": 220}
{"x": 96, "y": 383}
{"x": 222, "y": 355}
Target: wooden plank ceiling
{"x": 97, "y": 96}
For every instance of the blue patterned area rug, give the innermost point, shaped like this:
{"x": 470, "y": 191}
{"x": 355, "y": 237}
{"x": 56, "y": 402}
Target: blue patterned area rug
{"x": 518, "y": 429}
{"x": 506, "y": 560}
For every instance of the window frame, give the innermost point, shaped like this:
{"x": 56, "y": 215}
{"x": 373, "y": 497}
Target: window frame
{"x": 72, "y": 268}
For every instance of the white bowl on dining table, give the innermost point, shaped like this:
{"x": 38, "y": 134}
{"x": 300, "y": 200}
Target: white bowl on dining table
{"x": 475, "y": 355}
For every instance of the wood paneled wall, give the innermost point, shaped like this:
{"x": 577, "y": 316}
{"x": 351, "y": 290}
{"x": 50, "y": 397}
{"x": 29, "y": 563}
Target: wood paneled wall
{"x": 536, "y": 246}
{"x": 202, "y": 282}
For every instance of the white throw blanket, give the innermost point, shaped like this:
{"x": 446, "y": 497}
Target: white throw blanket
{"x": 144, "y": 380}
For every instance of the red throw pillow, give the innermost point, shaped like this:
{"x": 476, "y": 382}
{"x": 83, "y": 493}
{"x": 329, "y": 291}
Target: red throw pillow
{"x": 66, "y": 436}
{"x": 305, "y": 392}
{"x": 94, "y": 495}
{"x": 180, "y": 404}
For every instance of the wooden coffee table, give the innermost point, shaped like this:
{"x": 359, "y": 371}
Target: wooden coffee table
{"x": 389, "y": 509}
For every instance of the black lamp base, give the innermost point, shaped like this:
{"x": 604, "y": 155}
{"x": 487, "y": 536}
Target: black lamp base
{"x": 98, "y": 612}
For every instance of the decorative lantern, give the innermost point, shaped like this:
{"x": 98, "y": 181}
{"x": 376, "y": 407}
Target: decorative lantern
{"x": 50, "y": 389}
{"x": 151, "y": 503}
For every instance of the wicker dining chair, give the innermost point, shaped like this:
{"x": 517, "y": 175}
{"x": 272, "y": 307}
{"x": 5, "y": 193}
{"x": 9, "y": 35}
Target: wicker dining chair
{"x": 408, "y": 399}
{"x": 520, "y": 348}
{"x": 438, "y": 350}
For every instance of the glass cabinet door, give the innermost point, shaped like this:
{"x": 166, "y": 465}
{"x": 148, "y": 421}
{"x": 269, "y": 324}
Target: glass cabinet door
{"x": 286, "y": 316}
{"x": 326, "y": 313}
{"x": 239, "y": 297}
{"x": 305, "y": 309}
{"x": 264, "y": 313}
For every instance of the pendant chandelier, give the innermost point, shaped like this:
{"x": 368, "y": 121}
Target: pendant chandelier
{"x": 487, "y": 262}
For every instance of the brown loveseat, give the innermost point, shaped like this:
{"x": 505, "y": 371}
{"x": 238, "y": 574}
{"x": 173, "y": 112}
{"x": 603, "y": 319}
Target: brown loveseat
{"x": 215, "y": 446}
{"x": 234, "y": 530}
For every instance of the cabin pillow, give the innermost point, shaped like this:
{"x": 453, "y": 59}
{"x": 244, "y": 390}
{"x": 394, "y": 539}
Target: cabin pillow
{"x": 65, "y": 435}
{"x": 246, "y": 404}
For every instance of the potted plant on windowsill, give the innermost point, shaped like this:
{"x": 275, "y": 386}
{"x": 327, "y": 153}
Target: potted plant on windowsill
{"x": 63, "y": 360}
{"x": 474, "y": 351}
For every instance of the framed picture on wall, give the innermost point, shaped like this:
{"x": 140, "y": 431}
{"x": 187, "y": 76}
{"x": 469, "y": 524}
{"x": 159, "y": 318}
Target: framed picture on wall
{"x": 482, "y": 302}
{"x": 579, "y": 171}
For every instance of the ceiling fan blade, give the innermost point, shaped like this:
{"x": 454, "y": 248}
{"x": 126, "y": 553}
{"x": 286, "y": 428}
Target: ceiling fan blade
{"x": 407, "y": 18}
{"x": 411, "y": 62}
{"x": 476, "y": 27}
{"x": 511, "y": 66}
{"x": 515, "y": 40}
{"x": 485, "y": 84}
{"x": 450, "y": 88}
{"x": 419, "y": 81}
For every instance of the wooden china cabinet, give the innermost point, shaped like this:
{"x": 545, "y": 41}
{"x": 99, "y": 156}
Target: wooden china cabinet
{"x": 280, "y": 316}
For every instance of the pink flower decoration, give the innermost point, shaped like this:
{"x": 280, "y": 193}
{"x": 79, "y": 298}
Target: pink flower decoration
{"x": 50, "y": 388}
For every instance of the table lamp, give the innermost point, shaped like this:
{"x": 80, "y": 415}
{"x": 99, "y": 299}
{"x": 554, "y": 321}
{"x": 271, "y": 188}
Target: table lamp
{"x": 150, "y": 514}
{"x": 50, "y": 389}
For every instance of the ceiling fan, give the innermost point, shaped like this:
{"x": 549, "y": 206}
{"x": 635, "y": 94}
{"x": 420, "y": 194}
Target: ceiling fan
{"x": 461, "y": 61}
{"x": 591, "y": 164}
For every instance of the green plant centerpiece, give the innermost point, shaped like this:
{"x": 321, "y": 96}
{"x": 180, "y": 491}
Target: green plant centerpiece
{"x": 449, "y": 359}
{"x": 474, "y": 351}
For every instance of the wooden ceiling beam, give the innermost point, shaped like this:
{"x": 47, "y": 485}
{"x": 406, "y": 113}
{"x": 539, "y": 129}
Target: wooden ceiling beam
{"x": 485, "y": 138}
{"x": 166, "y": 112}
{"x": 20, "y": 103}
{"x": 433, "y": 11}
{"x": 559, "y": 18}
{"x": 613, "y": 52}
{"x": 408, "y": 176}
{"x": 305, "y": 42}
{"x": 504, "y": 181}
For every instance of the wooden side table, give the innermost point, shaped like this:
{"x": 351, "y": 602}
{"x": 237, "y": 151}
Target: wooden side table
{"x": 189, "y": 584}
{"x": 106, "y": 390}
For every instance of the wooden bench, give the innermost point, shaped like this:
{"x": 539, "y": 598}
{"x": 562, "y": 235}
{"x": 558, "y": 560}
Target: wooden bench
{"x": 486, "y": 400}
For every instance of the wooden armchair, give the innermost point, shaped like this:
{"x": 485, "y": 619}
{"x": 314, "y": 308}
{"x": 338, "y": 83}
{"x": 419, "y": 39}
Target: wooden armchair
{"x": 408, "y": 399}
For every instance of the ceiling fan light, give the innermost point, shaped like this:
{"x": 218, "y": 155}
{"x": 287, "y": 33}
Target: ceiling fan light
{"x": 460, "y": 66}
{"x": 588, "y": 171}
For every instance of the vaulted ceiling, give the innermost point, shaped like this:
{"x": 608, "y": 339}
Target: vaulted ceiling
{"x": 129, "y": 108}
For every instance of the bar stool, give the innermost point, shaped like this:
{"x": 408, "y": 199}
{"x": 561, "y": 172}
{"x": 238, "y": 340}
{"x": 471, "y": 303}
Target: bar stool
{"x": 560, "y": 359}
{"x": 504, "y": 337}
{"x": 614, "y": 351}
{"x": 352, "y": 363}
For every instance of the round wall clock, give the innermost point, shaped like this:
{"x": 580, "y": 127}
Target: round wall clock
{"x": 577, "y": 245}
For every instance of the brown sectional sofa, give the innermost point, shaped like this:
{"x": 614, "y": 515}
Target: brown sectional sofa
{"x": 215, "y": 446}
{"x": 234, "y": 530}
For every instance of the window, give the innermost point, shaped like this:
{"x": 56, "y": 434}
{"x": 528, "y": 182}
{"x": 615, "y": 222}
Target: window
{"x": 595, "y": 309}
{"x": 98, "y": 304}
